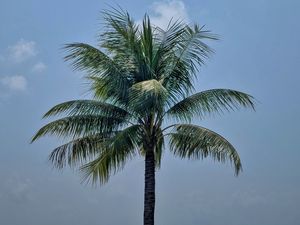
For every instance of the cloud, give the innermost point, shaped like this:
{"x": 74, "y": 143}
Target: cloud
{"x": 14, "y": 83}
{"x": 22, "y": 50}
{"x": 162, "y": 12}
{"x": 39, "y": 67}
{"x": 17, "y": 189}
{"x": 248, "y": 198}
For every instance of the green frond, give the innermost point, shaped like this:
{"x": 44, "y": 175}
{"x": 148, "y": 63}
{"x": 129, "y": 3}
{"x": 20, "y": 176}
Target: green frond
{"x": 192, "y": 50}
{"x": 77, "y": 126}
{"x": 121, "y": 35}
{"x": 122, "y": 40}
{"x": 147, "y": 96}
{"x": 110, "y": 89}
{"x": 176, "y": 79}
{"x": 153, "y": 87}
{"x": 118, "y": 150}
{"x": 179, "y": 68}
{"x": 179, "y": 83}
{"x": 195, "y": 142}
{"x": 128, "y": 44}
{"x": 88, "y": 58}
{"x": 168, "y": 39}
{"x": 112, "y": 72}
{"x": 87, "y": 107}
{"x": 147, "y": 49}
{"x": 78, "y": 151}
{"x": 210, "y": 101}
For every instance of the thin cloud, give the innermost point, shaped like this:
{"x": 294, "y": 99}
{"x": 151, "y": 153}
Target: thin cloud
{"x": 39, "y": 67}
{"x": 17, "y": 189}
{"x": 22, "y": 50}
{"x": 14, "y": 83}
{"x": 162, "y": 12}
{"x": 248, "y": 198}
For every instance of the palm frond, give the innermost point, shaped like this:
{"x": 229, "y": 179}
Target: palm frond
{"x": 167, "y": 40}
{"x": 110, "y": 90}
{"x": 145, "y": 63}
{"x": 118, "y": 150}
{"x": 147, "y": 96}
{"x": 87, "y": 107}
{"x": 99, "y": 65}
{"x": 164, "y": 60}
{"x": 88, "y": 58}
{"x": 77, "y": 126}
{"x": 122, "y": 39}
{"x": 180, "y": 66}
{"x": 191, "y": 49}
{"x": 195, "y": 142}
{"x": 121, "y": 35}
{"x": 78, "y": 151}
{"x": 210, "y": 101}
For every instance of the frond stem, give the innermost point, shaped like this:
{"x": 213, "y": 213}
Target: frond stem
{"x": 173, "y": 125}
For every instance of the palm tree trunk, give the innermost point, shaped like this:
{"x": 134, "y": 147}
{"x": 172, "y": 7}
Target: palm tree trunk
{"x": 149, "y": 197}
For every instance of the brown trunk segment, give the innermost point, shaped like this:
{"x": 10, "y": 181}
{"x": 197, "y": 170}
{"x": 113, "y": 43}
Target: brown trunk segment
{"x": 149, "y": 195}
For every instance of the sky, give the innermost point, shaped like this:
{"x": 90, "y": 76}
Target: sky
{"x": 258, "y": 53}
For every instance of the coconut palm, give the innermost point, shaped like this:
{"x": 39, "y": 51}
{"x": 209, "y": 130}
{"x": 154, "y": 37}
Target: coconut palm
{"x": 141, "y": 77}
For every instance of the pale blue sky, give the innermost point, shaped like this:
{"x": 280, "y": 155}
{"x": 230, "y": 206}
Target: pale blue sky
{"x": 258, "y": 53}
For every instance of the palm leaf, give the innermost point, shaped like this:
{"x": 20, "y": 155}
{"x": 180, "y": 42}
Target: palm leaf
{"x": 77, "y": 126}
{"x": 195, "y": 142}
{"x": 165, "y": 59}
{"x": 88, "y": 58}
{"x": 190, "y": 51}
{"x": 87, "y": 107}
{"x": 167, "y": 41}
{"x": 210, "y": 101}
{"x": 78, "y": 151}
{"x": 147, "y": 96}
{"x": 121, "y": 32}
{"x": 118, "y": 150}
{"x": 145, "y": 69}
{"x": 121, "y": 38}
{"x": 98, "y": 65}
{"x": 110, "y": 90}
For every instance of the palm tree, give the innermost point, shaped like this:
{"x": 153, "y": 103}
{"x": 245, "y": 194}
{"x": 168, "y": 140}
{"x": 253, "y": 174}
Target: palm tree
{"x": 142, "y": 80}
